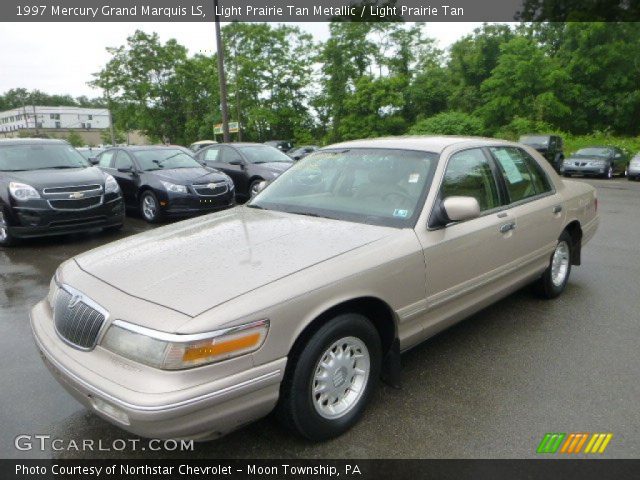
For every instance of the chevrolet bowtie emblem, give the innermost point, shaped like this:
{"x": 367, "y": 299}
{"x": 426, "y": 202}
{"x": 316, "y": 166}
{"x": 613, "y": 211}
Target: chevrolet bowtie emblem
{"x": 76, "y": 195}
{"x": 211, "y": 185}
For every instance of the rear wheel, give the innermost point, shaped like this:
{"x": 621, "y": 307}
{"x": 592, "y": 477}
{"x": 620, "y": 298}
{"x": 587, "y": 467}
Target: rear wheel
{"x": 6, "y": 239}
{"x": 150, "y": 207}
{"x": 555, "y": 278}
{"x": 331, "y": 379}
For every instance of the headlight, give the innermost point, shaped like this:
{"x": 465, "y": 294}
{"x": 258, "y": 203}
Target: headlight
{"x": 171, "y": 187}
{"x": 175, "y": 352}
{"x": 21, "y": 191}
{"x": 110, "y": 184}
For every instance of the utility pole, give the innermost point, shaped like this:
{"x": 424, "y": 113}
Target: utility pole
{"x": 111, "y": 127}
{"x": 35, "y": 120}
{"x": 221, "y": 78}
{"x": 237, "y": 97}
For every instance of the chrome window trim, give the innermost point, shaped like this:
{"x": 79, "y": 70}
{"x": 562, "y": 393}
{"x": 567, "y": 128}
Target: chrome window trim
{"x": 185, "y": 338}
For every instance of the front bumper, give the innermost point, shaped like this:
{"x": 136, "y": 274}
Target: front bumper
{"x": 37, "y": 220}
{"x": 583, "y": 169}
{"x": 182, "y": 205}
{"x": 198, "y": 411}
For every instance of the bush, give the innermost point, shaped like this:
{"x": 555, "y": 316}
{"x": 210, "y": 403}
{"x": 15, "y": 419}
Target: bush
{"x": 75, "y": 139}
{"x": 449, "y": 123}
{"x": 521, "y": 126}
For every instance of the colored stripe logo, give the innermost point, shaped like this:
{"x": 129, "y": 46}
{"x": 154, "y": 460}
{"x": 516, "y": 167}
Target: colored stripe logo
{"x": 573, "y": 443}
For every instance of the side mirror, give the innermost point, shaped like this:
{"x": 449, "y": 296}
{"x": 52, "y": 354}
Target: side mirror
{"x": 93, "y": 160}
{"x": 459, "y": 209}
{"x": 125, "y": 170}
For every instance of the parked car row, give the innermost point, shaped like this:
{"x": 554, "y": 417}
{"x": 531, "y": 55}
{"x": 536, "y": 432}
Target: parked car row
{"x": 597, "y": 161}
{"x": 47, "y": 187}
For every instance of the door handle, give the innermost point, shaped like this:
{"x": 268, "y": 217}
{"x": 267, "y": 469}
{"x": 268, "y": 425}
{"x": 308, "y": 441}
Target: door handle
{"x": 557, "y": 209}
{"x": 506, "y": 227}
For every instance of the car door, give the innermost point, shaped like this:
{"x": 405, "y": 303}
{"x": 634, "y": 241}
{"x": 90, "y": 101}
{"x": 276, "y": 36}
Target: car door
{"x": 619, "y": 160}
{"x": 127, "y": 177}
{"x": 467, "y": 263}
{"x": 535, "y": 206}
{"x": 236, "y": 167}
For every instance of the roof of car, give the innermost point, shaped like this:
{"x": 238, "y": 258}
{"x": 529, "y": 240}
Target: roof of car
{"x": 435, "y": 144}
{"x": 31, "y": 141}
{"x": 149, "y": 147}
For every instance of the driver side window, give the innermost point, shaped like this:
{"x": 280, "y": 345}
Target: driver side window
{"x": 123, "y": 161}
{"x": 469, "y": 174}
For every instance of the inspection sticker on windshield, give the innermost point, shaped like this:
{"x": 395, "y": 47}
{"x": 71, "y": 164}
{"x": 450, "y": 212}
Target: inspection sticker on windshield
{"x": 400, "y": 213}
{"x": 414, "y": 177}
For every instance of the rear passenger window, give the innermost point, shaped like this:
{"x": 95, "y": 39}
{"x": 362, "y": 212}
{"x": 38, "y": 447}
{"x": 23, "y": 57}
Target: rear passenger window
{"x": 469, "y": 175}
{"x": 522, "y": 174}
{"x": 211, "y": 154}
{"x": 105, "y": 159}
{"x": 123, "y": 160}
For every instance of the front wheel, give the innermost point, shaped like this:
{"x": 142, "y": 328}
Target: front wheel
{"x": 609, "y": 173}
{"x": 254, "y": 188}
{"x": 331, "y": 379}
{"x": 150, "y": 207}
{"x": 555, "y": 278}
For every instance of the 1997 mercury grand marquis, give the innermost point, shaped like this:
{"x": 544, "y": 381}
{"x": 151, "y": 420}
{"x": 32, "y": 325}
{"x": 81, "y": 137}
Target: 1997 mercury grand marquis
{"x": 303, "y": 298}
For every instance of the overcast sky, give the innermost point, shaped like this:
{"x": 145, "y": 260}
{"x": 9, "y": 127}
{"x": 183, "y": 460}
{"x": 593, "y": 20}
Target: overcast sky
{"x": 60, "y": 57}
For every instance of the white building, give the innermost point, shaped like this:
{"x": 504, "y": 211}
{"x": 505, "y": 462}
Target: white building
{"x": 54, "y": 118}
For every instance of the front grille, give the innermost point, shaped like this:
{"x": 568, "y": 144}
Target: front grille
{"x": 76, "y": 322}
{"x": 211, "y": 190}
{"x": 79, "y": 204}
{"x": 72, "y": 189}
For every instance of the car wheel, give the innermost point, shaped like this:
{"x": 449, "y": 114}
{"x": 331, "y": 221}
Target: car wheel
{"x": 253, "y": 188}
{"x": 554, "y": 279}
{"x": 6, "y": 239}
{"x": 150, "y": 207}
{"x": 330, "y": 380}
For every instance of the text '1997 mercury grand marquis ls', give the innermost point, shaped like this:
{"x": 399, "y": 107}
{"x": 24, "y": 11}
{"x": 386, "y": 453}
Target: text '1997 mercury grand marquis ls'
{"x": 303, "y": 298}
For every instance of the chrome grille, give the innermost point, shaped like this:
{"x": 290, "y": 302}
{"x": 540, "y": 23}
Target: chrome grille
{"x": 71, "y": 189}
{"x": 211, "y": 189}
{"x": 77, "y": 322}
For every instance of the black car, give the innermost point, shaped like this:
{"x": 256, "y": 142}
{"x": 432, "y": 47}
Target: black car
{"x": 165, "y": 182}
{"x": 550, "y": 146}
{"x": 48, "y": 188}
{"x": 282, "y": 145}
{"x": 247, "y": 164}
{"x": 301, "y": 152}
{"x": 603, "y": 162}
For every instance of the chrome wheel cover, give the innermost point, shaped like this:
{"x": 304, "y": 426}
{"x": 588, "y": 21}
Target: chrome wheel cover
{"x": 340, "y": 378}
{"x": 560, "y": 264}
{"x": 149, "y": 207}
{"x": 3, "y": 228}
{"x": 254, "y": 189}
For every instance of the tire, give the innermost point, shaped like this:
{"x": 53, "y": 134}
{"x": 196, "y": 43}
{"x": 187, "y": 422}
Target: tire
{"x": 150, "y": 207}
{"x": 253, "y": 188}
{"x": 6, "y": 239}
{"x": 318, "y": 416}
{"x": 554, "y": 279}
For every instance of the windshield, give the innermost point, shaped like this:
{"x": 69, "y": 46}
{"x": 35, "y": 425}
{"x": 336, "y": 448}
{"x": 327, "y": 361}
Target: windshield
{"x": 164, "y": 159}
{"x": 14, "y": 158}
{"x": 263, "y": 154}
{"x": 594, "y": 152}
{"x": 376, "y": 186}
{"x": 534, "y": 140}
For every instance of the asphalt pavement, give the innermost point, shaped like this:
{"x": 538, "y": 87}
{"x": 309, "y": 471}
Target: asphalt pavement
{"x": 490, "y": 387}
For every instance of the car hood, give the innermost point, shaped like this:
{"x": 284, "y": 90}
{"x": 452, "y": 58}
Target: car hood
{"x": 49, "y": 178}
{"x": 187, "y": 176}
{"x": 195, "y": 265}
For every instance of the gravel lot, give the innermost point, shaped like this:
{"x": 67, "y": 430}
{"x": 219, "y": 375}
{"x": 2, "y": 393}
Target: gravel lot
{"x": 490, "y": 387}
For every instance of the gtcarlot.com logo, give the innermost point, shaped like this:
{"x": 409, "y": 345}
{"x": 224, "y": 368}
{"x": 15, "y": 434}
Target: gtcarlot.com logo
{"x": 574, "y": 443}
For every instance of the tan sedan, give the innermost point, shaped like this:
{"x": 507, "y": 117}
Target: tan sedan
{"x": 302, "y": 299}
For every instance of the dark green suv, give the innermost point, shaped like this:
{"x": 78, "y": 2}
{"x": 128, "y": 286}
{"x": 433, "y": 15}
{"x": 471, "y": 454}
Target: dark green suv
{"x": 550, "y": 146}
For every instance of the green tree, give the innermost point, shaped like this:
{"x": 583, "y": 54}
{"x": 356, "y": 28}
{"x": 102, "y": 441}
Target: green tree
{"x": 75, "y": 139}
{"x": 449, "y": 123}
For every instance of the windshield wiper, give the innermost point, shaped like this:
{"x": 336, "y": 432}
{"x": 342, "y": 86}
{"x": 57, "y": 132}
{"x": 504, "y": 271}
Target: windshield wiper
{"x": 308, "y": 214}
{"x": 59, "y": 167}
{"x": 257, "y": 207}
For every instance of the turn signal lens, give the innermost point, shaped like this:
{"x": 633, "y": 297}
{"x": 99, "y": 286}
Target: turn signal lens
{"x": 175, "y": 352}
